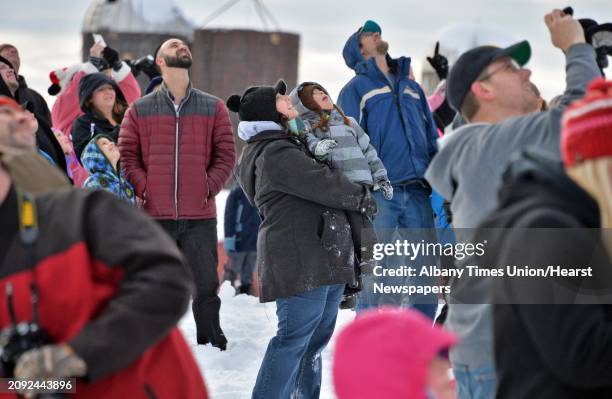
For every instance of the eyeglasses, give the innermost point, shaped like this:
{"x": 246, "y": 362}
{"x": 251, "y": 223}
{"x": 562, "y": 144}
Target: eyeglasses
{"x": 511, "y": 64}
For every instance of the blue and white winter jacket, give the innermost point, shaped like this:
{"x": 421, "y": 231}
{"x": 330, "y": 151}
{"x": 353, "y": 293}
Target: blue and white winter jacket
{"x": 102, "y": 174}
{"x": 396, "y": 117}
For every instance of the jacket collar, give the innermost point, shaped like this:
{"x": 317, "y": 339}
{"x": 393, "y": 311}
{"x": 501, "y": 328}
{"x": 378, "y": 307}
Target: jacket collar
{"x": 249, "y": 129}
{"x": 164, "y": 89}
{"x": 399, "y": 66}
{"x": 272, "y": 135}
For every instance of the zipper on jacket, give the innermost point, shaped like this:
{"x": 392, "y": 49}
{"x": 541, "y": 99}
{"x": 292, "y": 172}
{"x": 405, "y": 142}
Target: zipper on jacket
{"x": 176, "y": 144}
{"x": 177, "y": 112}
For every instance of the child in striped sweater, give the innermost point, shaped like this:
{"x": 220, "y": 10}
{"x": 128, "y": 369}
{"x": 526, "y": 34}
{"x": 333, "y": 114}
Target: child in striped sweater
{"x": 340, "y": 141}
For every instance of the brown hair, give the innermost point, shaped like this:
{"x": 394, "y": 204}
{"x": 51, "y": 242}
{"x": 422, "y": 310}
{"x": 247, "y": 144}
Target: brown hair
{"x": 324, "y": 119}
{"x": 118, "y": 111}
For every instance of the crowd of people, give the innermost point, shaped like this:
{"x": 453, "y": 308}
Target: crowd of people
{"x": 109, "y": 223}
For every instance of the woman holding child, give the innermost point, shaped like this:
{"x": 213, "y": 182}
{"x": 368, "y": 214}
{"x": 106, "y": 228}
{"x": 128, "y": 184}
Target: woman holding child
{"x": 304, "y": 248}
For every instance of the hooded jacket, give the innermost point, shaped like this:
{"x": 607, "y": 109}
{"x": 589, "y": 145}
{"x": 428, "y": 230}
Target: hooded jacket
{"x": 45, "y": 139}
{"x": 24, "y": 93}
{"x": 91, "y": 124}
{"x": 38, "y": 105}
{"x": 548, "y": 351}
{"x": 354, "y": 155}
{"x": 304, "y": 240}
{"x": 66, "y": 108}
{"x": 395, "y": 116}
{"x": 102, "y": 175}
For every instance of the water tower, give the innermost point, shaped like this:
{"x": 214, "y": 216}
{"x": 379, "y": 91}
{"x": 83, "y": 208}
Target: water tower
{"x": 134, "y": 27}
{"x": 226, "y": 61}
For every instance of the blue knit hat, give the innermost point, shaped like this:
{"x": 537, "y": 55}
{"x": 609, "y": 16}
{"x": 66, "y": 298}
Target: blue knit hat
{"x": 370, "y": 26}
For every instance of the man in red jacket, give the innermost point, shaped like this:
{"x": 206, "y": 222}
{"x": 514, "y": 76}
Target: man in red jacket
{"x": 100, "y": 278}
{"x": 177, "y": 150}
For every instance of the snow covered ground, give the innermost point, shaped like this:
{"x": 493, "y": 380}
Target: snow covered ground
{"x": 248, "y": 326}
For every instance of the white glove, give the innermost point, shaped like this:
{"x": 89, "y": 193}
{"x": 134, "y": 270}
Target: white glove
{"x": 324, "y": 147}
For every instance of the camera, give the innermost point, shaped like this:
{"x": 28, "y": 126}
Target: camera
{"x": 18, "y": 338}
{"x": 597, "y": 35}
{"x": 144, "y": 64}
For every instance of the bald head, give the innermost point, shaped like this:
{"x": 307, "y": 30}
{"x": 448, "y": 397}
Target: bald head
{"x": 173, "y": 53}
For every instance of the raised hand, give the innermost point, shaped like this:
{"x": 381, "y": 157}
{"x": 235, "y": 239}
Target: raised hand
{"x": 439, "y": 63}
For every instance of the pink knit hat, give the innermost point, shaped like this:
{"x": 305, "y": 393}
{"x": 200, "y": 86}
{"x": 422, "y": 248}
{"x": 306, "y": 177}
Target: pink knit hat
{"x": 586, "y": 131}
{"x": 386, "y": 354}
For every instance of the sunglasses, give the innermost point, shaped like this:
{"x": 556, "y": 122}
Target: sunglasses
{"x": 510, "y": 65}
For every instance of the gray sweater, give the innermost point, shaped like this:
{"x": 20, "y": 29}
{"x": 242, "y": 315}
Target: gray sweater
{"x": 467, "y": 171}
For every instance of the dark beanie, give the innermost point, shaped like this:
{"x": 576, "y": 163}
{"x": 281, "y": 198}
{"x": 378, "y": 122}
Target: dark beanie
{"x": 305, "y": 95}
{"x": 258, "y": 103}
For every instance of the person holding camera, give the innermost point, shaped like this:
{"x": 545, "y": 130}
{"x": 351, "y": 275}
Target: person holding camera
{"x": 66, "y": 108}
{"x": 82, "y": 298}
{"x": 491, "y": 89}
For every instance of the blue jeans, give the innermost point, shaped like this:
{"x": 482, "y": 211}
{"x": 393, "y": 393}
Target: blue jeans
{"x": 478, "y": 383}
{"x": 292, "y": 363}
{"x": 410, "y": 208}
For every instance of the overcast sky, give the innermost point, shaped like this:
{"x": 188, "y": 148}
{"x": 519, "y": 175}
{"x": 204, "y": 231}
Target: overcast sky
{"x": 48, "y": 33}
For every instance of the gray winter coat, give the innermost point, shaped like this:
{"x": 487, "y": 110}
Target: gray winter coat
{"x": 304, "y": 240}
{"x": 354, "y": 155}
{"x": 468, "y": 171}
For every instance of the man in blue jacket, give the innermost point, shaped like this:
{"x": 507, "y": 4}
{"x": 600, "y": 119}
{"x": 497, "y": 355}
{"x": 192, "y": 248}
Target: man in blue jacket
{"x": 392, "y": 108}
{"x": 241, "y": 226}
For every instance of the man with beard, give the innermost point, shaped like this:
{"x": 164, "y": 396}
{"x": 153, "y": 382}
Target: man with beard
{"x": 493, "y": 93}
{"x": 24, "y": 93}
{"x": 177, "y": 150}
{"x": 392, "y": 109}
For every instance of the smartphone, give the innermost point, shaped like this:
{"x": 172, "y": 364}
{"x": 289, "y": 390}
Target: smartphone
{"x": 97, "y": 38}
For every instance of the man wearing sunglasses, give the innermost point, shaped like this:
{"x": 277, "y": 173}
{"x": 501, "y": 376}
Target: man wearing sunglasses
{"x": 493, "y": 93}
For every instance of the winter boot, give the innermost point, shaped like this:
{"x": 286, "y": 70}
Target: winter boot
{"x": 208, "y": 326}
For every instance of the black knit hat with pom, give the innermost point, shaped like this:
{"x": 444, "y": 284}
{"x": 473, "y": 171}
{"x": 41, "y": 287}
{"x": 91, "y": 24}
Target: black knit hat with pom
{"x": 258, "y": 103}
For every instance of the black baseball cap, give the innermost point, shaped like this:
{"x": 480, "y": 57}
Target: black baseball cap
{"x": 471, "y": 64}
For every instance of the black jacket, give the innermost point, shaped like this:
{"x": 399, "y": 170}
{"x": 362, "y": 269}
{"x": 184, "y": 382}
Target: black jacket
{"x": 39, "y": 105}
{"x": 543, "y": 350}
{"x": 45, "y": 139}
{"x": 304, "y": 240}
{"x": 90, "y": 123}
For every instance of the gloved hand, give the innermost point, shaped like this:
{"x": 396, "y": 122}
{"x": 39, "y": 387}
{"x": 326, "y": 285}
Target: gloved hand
{"x": 387, "y": 189}
{"x": 112, "y": 57}
{"x": 439, "y": 63}
{"x": 229, "y": 244}
{"x": 50, "y": 361}
{"x": 324, "y": 147}
{"x": 368, "y": 204}
{"x": 100, "y": 63}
